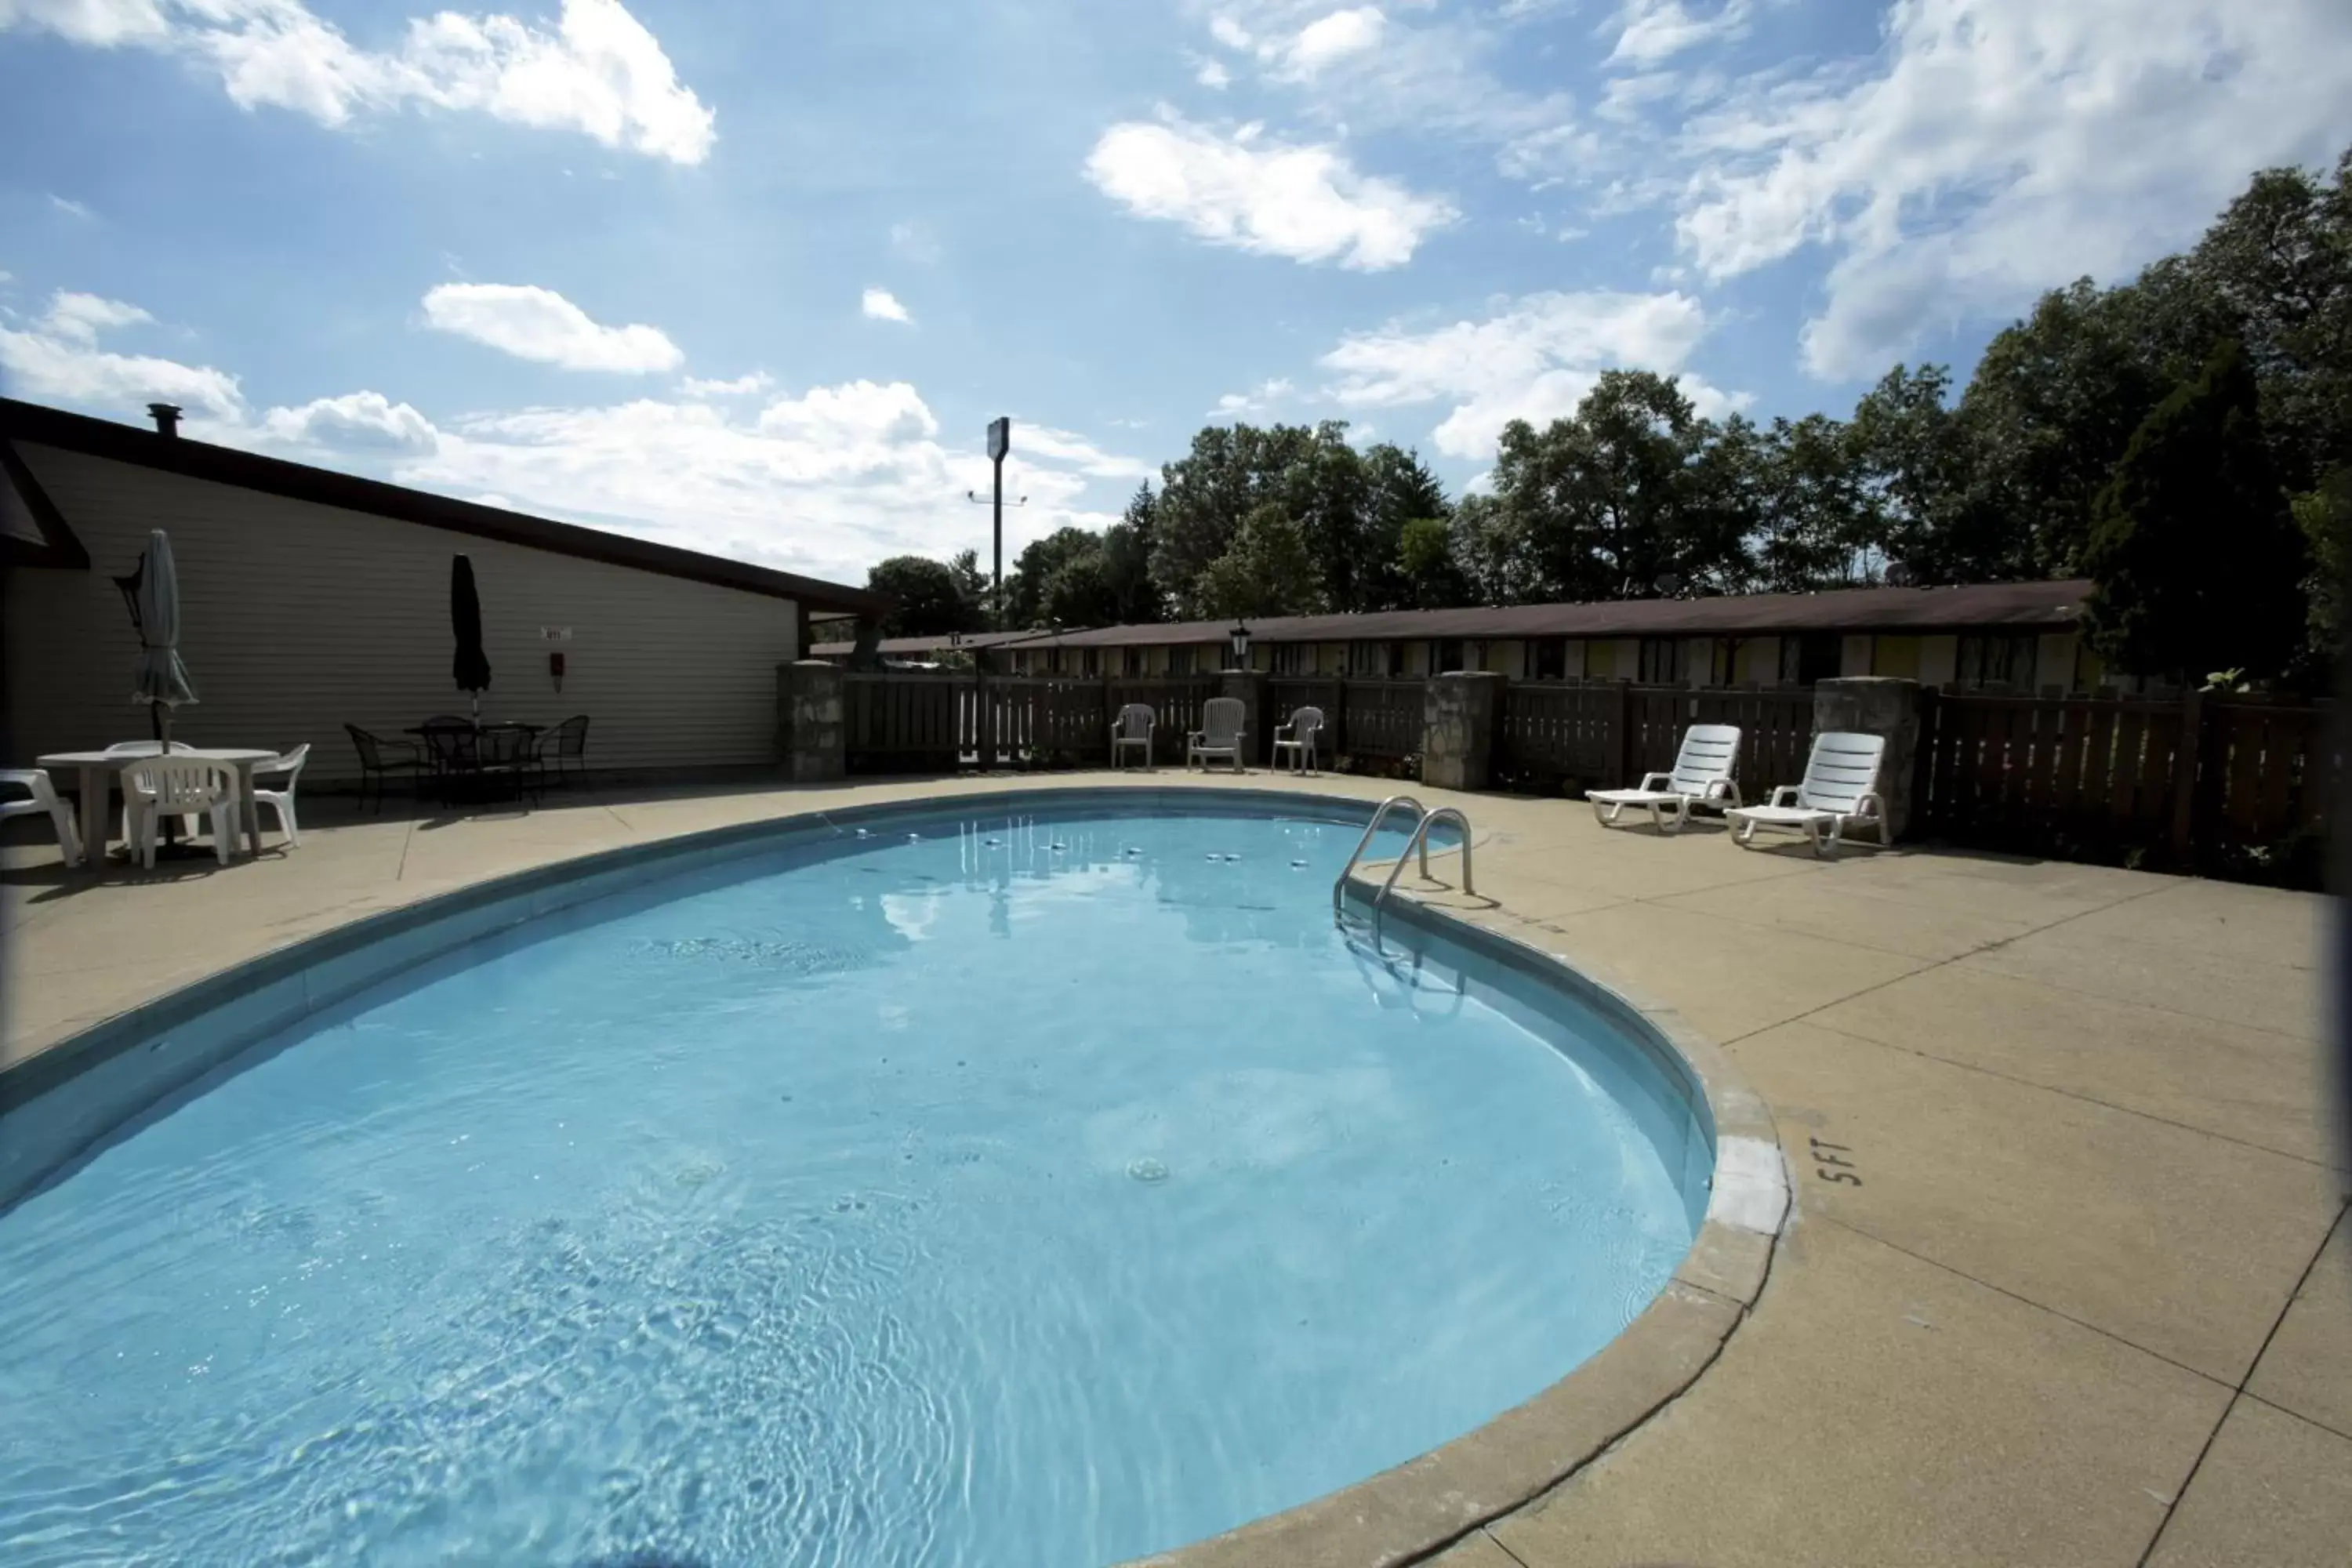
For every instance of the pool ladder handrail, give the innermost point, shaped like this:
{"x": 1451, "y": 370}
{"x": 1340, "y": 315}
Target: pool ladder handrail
{"x": 1380, "y": 814}
{"x": 1421, "y": 840}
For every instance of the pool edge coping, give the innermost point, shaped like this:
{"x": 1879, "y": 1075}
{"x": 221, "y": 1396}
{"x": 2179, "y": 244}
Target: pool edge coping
{"x": 1397, "y": 1516}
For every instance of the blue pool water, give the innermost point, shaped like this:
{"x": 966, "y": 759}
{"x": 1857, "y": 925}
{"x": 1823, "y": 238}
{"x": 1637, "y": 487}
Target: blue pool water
{"x": 999, "y": 1191}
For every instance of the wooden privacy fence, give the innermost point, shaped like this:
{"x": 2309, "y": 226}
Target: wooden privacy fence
{"x": 917, "y": 723}
{"x": 2202, "y": 780}
{"x": 1611, "y": 732}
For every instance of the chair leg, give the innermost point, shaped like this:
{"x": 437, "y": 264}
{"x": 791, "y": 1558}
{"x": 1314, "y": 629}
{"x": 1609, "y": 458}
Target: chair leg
{"x": 223, "y": 830}
{"x": 68, "y": 837}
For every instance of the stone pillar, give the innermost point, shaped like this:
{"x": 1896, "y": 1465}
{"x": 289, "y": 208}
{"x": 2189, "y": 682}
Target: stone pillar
{"x": 1878, "y": 705}
{"x": 1248, "y": 686}
{"x": 1458, "y": 713}
{"x": 811, "y": 721}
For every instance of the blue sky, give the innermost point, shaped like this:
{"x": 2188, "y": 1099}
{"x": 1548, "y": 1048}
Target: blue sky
{"x": 753, "y": 278}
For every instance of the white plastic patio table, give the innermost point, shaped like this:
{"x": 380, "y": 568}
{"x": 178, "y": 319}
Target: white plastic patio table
{"x": 98, "y": 768}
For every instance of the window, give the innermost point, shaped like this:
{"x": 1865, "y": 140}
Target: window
{"x": 1093, "y": 657}
{"x": 1180, "y": 661}
{"x": 1445, "y": 656}
{"x": 1130, "y": 661}
{"x": 1550, "y": 659}
{"x": 1815, "y": 656}
{"x": 1366, "y": 658}
{"x": 1997, "y": 661}
{"x": 1662, "y": 661}
{"x": 1289, "y": 659}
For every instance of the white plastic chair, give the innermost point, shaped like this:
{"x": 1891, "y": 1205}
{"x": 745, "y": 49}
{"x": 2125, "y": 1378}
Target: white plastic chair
{"x": 1220, "y": 734}
{"x": 1701, "y": 774}
{"x": 1298, "y": 738}
{"x": 158, "y": 788}
{"x": 45, "y": 798}
{"x": 146, "y": 749}
{"x": 1133, "y": 727}
{"x": 281, "y": 801}
{"x": 1840, "y": 793}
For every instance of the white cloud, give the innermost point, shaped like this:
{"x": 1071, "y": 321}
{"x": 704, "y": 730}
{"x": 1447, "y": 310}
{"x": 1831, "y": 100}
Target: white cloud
{"x": 355, "y": 422}
{"x": 56, "y": 359}
{"x": 1228, "y": 32}
{"x": 1433, "y": 73}
{"x": 1213, "y": 75}
{"x": 599, "y": 72}
{"x": 79, "y": 318}
{"x": 1335, "y": 36}
{"x": 883, "y": 306}
{"x": 1649, "y": 31}
{"x": 70, "y": 207}
{"x": 741, "y": 386}
{"x": 1534, "y": 359}
{"x": 826, "y": 479}
{"x": 535, "y": 323}
{"x": 1077, "y": 452}
{"x": 1256, "y": 400}
{"x": 915, "y": 242}
{"x": 1305, "y": 202}
{"x": 2004, "y": 146}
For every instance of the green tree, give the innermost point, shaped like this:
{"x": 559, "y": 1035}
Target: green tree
{"x": 970, "y": 584}
{"x": 2197, "y": 563}
{"x": 2325, "y": 517}
{"x": 1205, "y": 496}
{"x": 929, "y": 601}
{"x": 1402, "y": 493}
{"x": 1267, "y": 570}
{"x": 1058, "y": 581}
{"x": 1127, "y": 562}
{"x": 1428, "y": 575}
{"x": 1815, "y": 521}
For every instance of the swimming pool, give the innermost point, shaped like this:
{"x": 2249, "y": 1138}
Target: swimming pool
{"x": 958, "y": 1188}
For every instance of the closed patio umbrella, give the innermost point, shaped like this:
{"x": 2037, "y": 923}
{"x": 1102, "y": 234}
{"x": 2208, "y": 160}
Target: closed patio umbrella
{"x": 155, "y": 610}
{"x": 472, "y": 666}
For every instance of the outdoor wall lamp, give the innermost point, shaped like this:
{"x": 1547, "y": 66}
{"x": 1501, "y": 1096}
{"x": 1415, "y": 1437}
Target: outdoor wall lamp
{"x": 1241, "y": 636}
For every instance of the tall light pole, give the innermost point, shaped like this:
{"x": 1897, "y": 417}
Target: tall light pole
{"x": 1000, "y": 442}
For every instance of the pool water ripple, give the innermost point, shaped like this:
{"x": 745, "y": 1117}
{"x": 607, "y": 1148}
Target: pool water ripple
{"x": 1003, "y": 1192}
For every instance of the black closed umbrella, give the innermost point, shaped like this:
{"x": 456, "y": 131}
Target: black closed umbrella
{"x": 472, "y": 666}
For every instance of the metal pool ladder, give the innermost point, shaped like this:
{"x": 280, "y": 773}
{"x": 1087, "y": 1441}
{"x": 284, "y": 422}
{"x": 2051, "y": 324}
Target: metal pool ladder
{"x": 1419, "y": 842}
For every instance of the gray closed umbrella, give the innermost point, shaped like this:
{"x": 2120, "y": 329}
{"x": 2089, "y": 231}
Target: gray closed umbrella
{"x": 163, "y": 678}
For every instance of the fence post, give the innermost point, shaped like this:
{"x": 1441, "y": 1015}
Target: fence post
{"x": 2187, "y": 756}
{"x": 1878, "y": 705}
{"x": 984, "y": 717}
{"x": 1110, "y": 706}
{"x": 810, "y": 720}
{"x": 1248, "y": 687}
{"x": 1923, "y": 770}
{"x": 1620, "y": 749}
{"x": 1337, "y": 718}
{"x": 1457, "y": 728}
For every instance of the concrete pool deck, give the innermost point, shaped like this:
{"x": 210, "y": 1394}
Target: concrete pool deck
{"x": 2067, "y": 1279}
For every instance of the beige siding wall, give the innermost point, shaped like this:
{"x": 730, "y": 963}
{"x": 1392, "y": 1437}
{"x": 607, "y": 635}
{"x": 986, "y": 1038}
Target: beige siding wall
{"x": 298, "y": 618}
{"x": 1938, "y": 660}
{"x": 2054, "y": 661}
{"x": 1758, "y": 661}
{"x": 1507, "y": 657}
{"x": 1416, "y": 659}
{"x": 1855, "y": 654}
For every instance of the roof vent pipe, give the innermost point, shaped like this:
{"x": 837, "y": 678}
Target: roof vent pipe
{"x": 167, "y": 417}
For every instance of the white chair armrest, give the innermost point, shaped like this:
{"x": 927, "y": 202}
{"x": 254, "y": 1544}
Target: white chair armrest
{"x": 1655, "y": 781}
{"x": 1868, "y": 806}
{"x": 1784, "y": 794}
{"x": 1721, "y": 789}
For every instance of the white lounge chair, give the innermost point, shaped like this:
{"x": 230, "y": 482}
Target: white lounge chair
{"x": 156, "y": 787}
{"x": 1298, "y": 738}
{"x": 44, "y": 799}
{"x": 1840, "y": 793}
{"x": 1701, "y": 774}
{"x": 1220, "y": 734}
{"x": 281, "y": 801}
{"x": 1133, "y": 727}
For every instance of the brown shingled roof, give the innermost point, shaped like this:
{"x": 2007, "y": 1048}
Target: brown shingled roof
{"x": 2024, "y": 606}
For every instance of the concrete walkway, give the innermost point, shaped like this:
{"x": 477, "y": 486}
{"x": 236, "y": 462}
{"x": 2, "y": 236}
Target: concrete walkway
{"x": 2059, "y": 1287}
